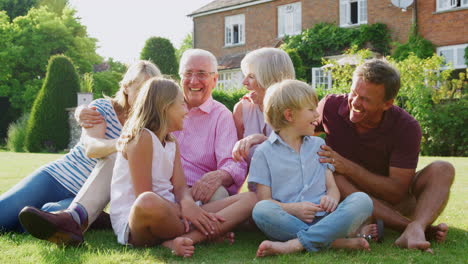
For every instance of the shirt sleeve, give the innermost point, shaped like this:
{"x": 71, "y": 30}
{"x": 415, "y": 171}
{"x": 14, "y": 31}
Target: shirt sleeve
{"x": 259, "y": 171}
{"x": 226, "y": 137}
{"x": 100, "y": 105}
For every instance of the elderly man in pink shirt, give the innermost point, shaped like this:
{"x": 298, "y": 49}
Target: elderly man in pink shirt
{"x": 205, "y": 146}
{"x": 209, "y": 132}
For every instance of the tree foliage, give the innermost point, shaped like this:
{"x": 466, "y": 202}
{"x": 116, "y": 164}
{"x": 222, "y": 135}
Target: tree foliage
{"x": 161, "y": 52}
{"x": 16, "y": 8}
{"x": 48, "y": 127}
{"x": 187, "y": 43}
{"x": 106, "y": 83}
{"x": 416, "y": 45}
{"x": 26, "y": 45}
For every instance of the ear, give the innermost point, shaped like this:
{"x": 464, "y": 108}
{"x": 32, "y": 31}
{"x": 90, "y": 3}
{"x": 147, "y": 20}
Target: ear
{"x": 388, "y": 104}
{"x": 288, "y": 115}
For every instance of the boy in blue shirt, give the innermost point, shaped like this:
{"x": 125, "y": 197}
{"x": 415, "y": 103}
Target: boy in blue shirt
{"x": 298, "y": 194}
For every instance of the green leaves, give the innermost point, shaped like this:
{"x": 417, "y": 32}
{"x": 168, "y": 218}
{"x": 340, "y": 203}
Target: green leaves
{"x": 161, "y": 52}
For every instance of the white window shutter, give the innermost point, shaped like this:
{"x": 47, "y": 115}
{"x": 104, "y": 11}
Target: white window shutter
{"x": 465, "y": 3}
{"x": 444, "y": 4}
{"x": 453, "y": 3}
{"x": 344, "y": 13}
{"x": 241, "y": 33}
{"x": 297, "y": 19}
{"x": 362, "y": 7}
{"x": 281, "y": 17}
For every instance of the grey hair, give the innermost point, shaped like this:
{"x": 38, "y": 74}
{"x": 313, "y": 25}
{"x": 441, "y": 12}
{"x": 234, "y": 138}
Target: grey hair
{"x": 197, "y": 53}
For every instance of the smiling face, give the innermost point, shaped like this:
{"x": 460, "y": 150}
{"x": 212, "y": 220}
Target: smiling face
{"x": 197, "y": 91}
{"x": 305, "y": 121}
{"x": 366, "y": 103}
{"x": 257, "y": 92}
{"x": 176, "y": 114}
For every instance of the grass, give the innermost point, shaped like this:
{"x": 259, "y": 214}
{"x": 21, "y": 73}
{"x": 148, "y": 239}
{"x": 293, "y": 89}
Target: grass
{"x": 101, "y": 246}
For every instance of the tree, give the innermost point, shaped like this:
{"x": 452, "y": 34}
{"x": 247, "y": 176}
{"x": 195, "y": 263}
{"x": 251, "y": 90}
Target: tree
{"x": 187, "y": 43}
{"x": 16, "y": 8}
{"x": 27, "y": 44}
{"x": 48, "y": 127}
{"x": 161, "y": 52}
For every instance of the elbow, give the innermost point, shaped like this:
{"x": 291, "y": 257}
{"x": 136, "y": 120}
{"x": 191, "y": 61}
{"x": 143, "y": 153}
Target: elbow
{"x": 90, "y": 153}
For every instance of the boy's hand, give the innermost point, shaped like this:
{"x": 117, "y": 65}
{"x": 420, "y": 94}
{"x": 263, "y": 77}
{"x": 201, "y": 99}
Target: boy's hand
{"x": 305, "y": 211}
{"x": 328, "y": 203}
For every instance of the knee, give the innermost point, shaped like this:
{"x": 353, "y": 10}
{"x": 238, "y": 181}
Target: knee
{"x": 263, "y": 210}
{"x": 361, "y": 202}
{"x": 51, "y": 207}
{"x": 149, "y": 204}
{"x": 443, "y": 171}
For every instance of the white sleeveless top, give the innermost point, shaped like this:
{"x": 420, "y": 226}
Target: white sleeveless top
{"x": 122, "y": 192}
{"x": 254, "y": 123}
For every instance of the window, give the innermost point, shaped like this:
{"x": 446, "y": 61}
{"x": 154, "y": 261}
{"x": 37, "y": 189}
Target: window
{"x": 289, "y": 19}
{"x": 443, "y": 5}
{"x": 321, "y": 78}
{"x": 234, "y": 30}
{"x": 229, "y": 80}
{"x": 353, "y": 12}
{"x": 453, "y": 55}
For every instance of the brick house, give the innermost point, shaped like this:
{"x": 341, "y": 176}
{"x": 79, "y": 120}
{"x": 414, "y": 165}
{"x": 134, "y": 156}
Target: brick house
{"x": 231, "y": 28}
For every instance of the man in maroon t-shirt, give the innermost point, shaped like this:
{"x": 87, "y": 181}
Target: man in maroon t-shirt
{"x": 374, "y": 146}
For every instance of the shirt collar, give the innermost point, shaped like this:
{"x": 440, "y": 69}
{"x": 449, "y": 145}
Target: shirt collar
{"x": 207, "y": 106}
{"x": 275, "y": 137}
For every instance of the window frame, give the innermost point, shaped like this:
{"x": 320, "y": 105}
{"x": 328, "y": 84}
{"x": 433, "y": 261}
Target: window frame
{"x": 230, "y": 22}
{"x": 295, "y": 16}
{"x": 444, "y": 5}
{"x": 455, "y": 49}
{"x": 345, "y": 12}
{"x": 323, "y": 74}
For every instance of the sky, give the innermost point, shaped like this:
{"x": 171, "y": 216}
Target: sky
{"x": 122, "y": 26}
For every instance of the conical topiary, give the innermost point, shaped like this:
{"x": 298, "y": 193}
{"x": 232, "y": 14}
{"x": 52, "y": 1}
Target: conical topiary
{"x": 48, "y": 128}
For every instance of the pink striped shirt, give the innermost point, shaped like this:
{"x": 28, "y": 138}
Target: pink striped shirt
{"x": 206, "y": 144}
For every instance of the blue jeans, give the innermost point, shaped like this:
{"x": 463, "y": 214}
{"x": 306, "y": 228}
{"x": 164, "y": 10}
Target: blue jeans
{"x": 35, "y": 190}
{"x": 282, "y": 226}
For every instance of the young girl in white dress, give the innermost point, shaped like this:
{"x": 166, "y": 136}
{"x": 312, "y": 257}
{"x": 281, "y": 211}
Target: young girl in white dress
{"x": 150, "y": 201}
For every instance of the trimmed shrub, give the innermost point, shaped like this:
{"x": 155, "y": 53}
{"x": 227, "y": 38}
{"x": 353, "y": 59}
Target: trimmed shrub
{"x": 17, "y": 134}
{"x": 48, "y": 128}
{"x": 229, "y": 99}
{"x": 162, "y": 53}
{"x": 416, "y": 44}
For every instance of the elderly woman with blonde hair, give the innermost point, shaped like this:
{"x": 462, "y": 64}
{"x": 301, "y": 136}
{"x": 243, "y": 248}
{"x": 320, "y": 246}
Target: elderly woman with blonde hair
{"x": 262, "y": 68}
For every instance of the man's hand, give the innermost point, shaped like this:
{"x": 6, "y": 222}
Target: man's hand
{"x": 328, "y": 155}
{"x": 242, "y": 147}
{"x": 304, "y": 210}
{"x": 87, "y": 117}
{"x": 328, "y": 203}
{"x": 204, "y": 189}
{"x": 208, "y": 224}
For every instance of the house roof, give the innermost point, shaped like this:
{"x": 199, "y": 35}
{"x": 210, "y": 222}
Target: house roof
{"x": 221, "y": 5}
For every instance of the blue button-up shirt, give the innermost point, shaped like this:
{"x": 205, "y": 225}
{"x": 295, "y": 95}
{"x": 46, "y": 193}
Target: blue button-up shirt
{"x": 293, "y": 177}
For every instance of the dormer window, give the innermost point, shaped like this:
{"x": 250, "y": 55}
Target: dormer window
{"x": 234, "y": 33}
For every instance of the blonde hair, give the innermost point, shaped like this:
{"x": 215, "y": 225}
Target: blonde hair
{"x": 197, "y": 53}
{"x": 269, "y": 65}
{"x": 150, "y": 111}
{"x": 138, "y": 73}
{"x": 287, "y": 94}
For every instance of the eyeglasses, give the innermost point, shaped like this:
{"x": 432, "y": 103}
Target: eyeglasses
{"x": 202, "y": 75}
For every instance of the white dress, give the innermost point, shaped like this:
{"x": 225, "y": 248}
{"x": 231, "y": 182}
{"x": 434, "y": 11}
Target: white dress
{"x": 122, "y": 192}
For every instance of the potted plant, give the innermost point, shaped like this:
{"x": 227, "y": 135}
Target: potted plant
{"x": 85, "y": 96}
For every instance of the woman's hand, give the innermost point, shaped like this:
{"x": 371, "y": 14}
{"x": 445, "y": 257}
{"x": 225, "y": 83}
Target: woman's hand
{"x": 87, "y": 117}
{"x": 207, "y": 223}
{"x": 242, "y": 147}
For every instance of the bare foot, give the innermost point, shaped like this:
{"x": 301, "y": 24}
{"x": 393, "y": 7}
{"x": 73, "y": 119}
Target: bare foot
{"x": 351, "y": 243}
{"x": 368, "y": 231}
{"x": 269, "y": 248}
{"x": 229, "y": 237}
{"x": 413, "y": 238}
{"x": 180, "y": 246}
{"x": 438, "y": 232}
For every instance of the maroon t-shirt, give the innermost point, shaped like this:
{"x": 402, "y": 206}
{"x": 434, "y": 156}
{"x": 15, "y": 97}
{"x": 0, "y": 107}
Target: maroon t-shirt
{"x": 394, "y": 143}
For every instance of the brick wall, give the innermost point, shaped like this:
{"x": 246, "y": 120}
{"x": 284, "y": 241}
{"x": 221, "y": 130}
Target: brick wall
{"x": 442, "y": 28}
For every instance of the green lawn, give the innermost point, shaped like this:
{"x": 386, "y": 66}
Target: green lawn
{"x": 101, "y": 246}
